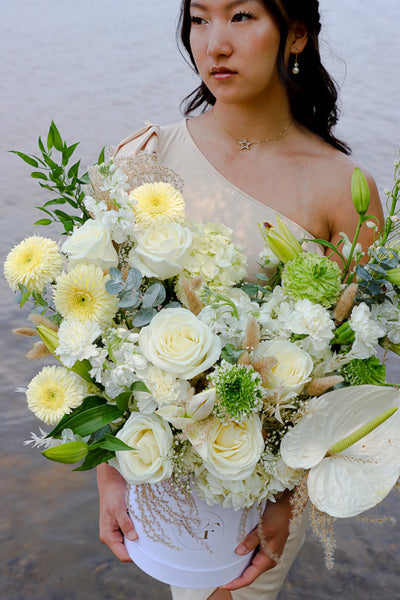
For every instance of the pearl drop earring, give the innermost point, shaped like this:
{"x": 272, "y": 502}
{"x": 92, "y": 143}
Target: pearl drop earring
{"x": 296, "y": 68}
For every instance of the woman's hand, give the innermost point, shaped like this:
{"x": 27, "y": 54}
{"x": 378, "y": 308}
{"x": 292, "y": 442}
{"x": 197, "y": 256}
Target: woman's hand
{"x": 275, "y": 524}
{"x": 114, "y": 520}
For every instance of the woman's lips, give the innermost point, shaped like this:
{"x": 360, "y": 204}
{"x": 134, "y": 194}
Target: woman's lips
{"x": 221, "y": 73}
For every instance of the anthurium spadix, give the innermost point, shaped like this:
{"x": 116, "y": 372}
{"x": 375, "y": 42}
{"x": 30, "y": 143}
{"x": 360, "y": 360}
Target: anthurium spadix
{"x": 346, "y": 482}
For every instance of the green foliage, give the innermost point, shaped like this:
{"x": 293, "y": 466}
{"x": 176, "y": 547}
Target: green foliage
{"x": 374, "y": 278}
{"x": 54, "y": 172}
{"x": 364, "y": 372}
{"x": 131, "y": 296}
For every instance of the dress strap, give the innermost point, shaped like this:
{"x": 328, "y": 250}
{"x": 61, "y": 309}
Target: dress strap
{"x": 146, "y": 138}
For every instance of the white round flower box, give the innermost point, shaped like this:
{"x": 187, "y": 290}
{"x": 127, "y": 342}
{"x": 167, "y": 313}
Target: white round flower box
{"x": 197, "y": 554}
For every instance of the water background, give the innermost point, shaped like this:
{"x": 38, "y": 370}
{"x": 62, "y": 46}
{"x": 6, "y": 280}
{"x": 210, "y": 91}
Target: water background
{"x": 100, "y": 68}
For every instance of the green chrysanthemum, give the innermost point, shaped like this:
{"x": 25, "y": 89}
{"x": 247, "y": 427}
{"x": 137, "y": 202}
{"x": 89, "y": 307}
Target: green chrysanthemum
{"x": 238, "y": 390}
{"x": 312, "y": 277}
{"x": 367, "y": 371}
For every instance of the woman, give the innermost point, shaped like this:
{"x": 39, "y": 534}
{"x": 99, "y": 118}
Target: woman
{"x": 262, "y": 145}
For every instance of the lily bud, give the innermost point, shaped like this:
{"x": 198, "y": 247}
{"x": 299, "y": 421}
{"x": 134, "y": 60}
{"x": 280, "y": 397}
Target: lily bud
{"x": 344, "y": 335}
{"x": 69, "y": 453}
{"x": 360, "y": 191}
{"x": 200, "y": 406}
{"x": 281, "y": 240}
{"x": 393, "y": 276}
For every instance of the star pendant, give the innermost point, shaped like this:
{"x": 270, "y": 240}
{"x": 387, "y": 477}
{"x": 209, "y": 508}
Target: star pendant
{"x": 244, "y": 144}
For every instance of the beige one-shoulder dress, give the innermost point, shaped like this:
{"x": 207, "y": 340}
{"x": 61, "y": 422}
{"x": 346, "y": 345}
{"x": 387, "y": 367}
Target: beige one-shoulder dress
{"x": 211, "y": 197}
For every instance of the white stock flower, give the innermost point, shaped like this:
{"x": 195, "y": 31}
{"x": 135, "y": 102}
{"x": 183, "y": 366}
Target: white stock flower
{"x": 314, "y": 321}
{"x": 293, "y": 367}
{"x": 229, "y": 450}
{"x": 91, "y": 244}
{"x": 388, "y": 316}
{"x": 76, "y": 341}
{"x": 152, "y": 439}
{"x": 161, "y": 251}
{"x": 367, "y": 332}
{"x": 179, "y": 343}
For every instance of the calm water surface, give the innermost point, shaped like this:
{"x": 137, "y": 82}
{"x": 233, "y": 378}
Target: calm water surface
{"x": 100, "y": 68}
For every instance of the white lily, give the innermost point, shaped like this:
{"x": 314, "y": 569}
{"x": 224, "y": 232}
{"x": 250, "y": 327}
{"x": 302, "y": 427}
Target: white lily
{"x": 346, "y": 482}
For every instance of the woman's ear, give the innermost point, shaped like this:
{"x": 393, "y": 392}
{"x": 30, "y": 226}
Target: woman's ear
{"x": 298, "y": 37}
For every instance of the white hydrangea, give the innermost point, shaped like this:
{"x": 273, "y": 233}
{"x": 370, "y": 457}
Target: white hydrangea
{"x": 223, "y": 321}
{"x": 234, "y": 494}
{"x": 367, "y": 332}
{"x": 282, "y": 476}
{"x": 388, "y": 316}
{"x": 76, "y": 341}
{"x": 314, "y": 321}
{"x": 276, "y": 314}
{"x": 121, "y": 223}
{"x": 214, "y": 256}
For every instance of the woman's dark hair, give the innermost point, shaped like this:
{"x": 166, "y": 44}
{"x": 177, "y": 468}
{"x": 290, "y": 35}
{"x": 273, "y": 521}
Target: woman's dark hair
{"x": 312, "y": 93}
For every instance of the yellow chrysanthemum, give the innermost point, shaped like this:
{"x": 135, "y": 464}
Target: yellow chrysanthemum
{"x": 81, "y": 294}
{"x": 54, "y": 392}
{"x": 156, "y": 204}
{"x": 33, "y": 263}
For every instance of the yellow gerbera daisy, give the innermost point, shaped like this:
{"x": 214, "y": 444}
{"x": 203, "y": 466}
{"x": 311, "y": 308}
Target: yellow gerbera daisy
{"x": 33, "y": 262}
{"x": 156, "y": 204}
{"x": 54, "y": 392}
{"x": 82, "y": 294}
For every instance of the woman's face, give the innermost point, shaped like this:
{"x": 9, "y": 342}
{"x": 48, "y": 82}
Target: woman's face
{"x": 235, "y": 46}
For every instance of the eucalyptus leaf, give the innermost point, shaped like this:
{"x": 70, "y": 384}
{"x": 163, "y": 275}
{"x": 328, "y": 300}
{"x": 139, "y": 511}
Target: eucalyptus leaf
{"x": 130, "y": 300}
{"x": 154, "y": 295}
{"x": 133, "y": 280}
{"x": 231, "y": 354}
{"x": 116, "y": 274}
{"x": 143, "y": 317}
{"x": 114, "y": 287}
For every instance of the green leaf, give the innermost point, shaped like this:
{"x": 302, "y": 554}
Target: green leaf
{"x": 69, "y": 150}
{"x": 100, "y": 160}
{"x": 28, "y": 159}
{"x": 88, "y": 403}
{"x": 93, "y": 419}
{"x": 129, "y": 300}
{"x": 57, "y": 140}
{"x": 231, "y": 354}
{"x": 95, "y": 457}
{"x": 55, "y": 201}
{"x": 73, "y": 172}
{"x": 139, "y": 386}
{"x": 122, "y": 400}
{"x": 68, "y": 453}
{"x": 133, "y": 280}
{"x": 143, "y": 317}
{"x": 43, "y": 222}
{"x": 50, "y": 139}
{"x": 38, "y": 175}
{"x": 110, "y": 442}
{"x": 41, "y": 146}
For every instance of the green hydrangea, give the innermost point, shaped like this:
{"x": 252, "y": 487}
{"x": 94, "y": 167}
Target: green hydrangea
{"x": 363, "y": 372}
{"x": 238, "y": 390}
{"x": 312, "y": 277}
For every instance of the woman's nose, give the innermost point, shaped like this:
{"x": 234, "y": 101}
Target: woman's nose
{"x": 219, "y": 42}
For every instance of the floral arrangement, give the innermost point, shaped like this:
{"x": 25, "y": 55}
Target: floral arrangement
{"x": 173, "y": 367}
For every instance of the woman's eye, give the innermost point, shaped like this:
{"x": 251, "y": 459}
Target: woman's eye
{"x": 197, "y": 20}
{"x": 242, "y": 16}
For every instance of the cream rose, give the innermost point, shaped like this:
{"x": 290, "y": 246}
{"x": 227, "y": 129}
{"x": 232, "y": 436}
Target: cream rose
{"x": 179, "y": 343}
{"x": 293, "y": 368}
{"x": 230, "y": 451}
{"x": 91, "y": 244}
{"x": 152, "y": 439}
{"x": 161, "y": 251}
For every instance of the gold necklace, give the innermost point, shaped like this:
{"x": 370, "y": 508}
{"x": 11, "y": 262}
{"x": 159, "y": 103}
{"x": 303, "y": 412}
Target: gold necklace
{"x": 245, "y": 144}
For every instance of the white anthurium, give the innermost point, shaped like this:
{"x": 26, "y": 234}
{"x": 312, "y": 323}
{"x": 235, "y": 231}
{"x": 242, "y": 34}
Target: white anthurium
{"x": 346, "y": 482}
{"x": 200, "y": 405}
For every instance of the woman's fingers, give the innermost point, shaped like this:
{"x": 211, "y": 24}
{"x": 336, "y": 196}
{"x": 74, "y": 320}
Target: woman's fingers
{"x": 113, "y": 527}
{"x": 260, "y": 563}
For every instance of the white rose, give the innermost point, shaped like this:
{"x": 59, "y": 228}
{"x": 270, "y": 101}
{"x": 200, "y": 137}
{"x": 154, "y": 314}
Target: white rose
{"x": 91, "y": 244}
{"x": 152, "y": 439}
{"x": 293, "y": 368}
{"x": 229, "y": 450}
{"x": 161, "y": 251}
{"x": 179, "y": 343}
